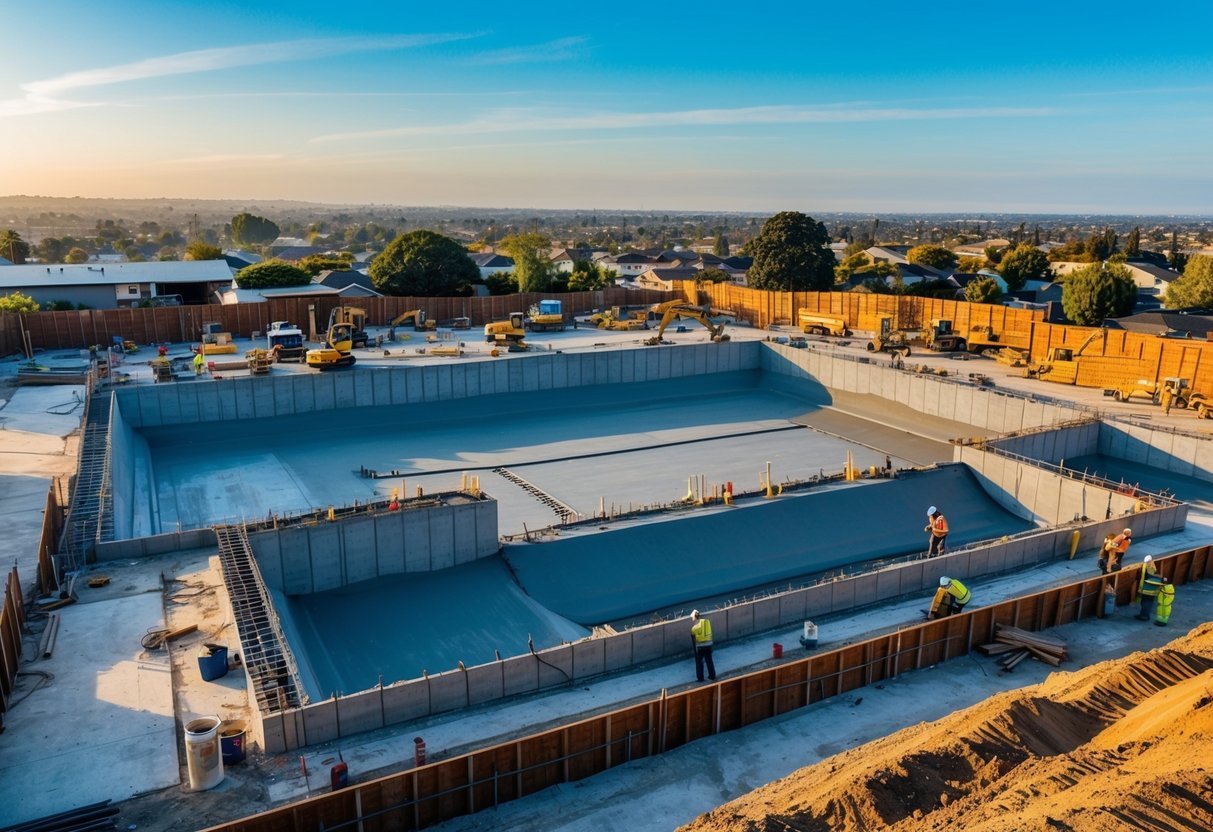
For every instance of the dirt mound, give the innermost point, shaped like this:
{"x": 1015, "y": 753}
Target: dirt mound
{"x": 1122, "y": 744}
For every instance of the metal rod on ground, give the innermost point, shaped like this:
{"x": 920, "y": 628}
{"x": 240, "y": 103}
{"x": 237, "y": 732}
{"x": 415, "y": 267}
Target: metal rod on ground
{"x": 51, "y": 634}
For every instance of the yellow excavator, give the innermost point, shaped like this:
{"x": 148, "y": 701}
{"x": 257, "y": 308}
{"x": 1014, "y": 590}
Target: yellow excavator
{"x": 414, "y": 316}
{"x": 1061, "y": 363}
{"x": 338, "y": 343}
{"x": 674, "y": 310}
{"x": 508, "y": 333}
{"x": 621, "y": 318}
{"x": 355, "y": 318}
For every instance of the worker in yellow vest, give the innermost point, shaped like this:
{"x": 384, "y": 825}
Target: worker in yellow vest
{"x": 1166, "y": 597}
{"x": 701, "y": 637}
{"x": 937, "y": 525}
{"x": 199, "y": 362}
{"x": 958, "y": 593}
{"x": 1148, "y": 586}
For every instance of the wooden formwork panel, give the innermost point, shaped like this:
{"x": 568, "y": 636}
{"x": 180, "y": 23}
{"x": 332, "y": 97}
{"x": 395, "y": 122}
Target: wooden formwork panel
{"x": 731, "y": 702}
{"x": 792, "y": 690}
{"x": 757, "y": 696}
{"x": 587, "y": 749}
{"x": 540, "y": 762}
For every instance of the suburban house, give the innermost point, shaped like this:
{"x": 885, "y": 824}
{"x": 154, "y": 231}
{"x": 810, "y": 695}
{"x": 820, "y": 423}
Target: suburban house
{"x": 663, "y": 277}
{"x": 1151, "y": 280}
{"x": 1187, "y": 323}
{"x": 492, "y": 263}
{"x": 979, "y": 249}
{"x": 628, "y": 265}
{"x": 117, "y": 285}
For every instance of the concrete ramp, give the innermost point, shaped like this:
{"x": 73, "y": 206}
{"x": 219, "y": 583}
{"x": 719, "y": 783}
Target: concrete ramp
{"x": 593, "y": 578}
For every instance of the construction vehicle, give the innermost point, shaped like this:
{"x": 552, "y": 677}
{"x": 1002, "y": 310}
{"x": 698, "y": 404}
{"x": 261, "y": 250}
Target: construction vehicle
{"x": 215, "y": 341}
{"x": 813, "y": 323}
{"x": 888, "y": 339}
{"x": 1181, "y": 395}
{"x": 416, "y": 317}
{"x": 285, "y": 340}
{"x": 1143, "y": 388}
{"x": 674, "y": 310}
{"x": 259, "y": 361}
{"x": 941, "y": 337}
{"x": 1061, "y": 363}
{"x": 983, "y": 337}
{"x": 621, "y": 318}
{"x": 545, "y": 315}
{"x": 338, "y": 342}
{"x": 356, "y": 318}
{"x": 509, "y": 333}
{"x": 162, "y": 369}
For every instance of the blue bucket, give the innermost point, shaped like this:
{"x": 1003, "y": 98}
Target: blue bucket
{"x": 213, "y": 664}
{"x": 231, "y": 743}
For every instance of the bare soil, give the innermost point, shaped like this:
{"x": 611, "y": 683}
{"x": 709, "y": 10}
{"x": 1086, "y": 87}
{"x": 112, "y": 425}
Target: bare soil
{"x": 1126, "y": 744}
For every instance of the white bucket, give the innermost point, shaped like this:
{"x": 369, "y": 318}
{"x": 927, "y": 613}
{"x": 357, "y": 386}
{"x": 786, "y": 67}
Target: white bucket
{"x": 202, "y": 756}
{"x": 809, "y": 639}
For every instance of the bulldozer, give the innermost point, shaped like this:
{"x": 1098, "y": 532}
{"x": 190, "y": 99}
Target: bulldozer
{"x": 888, "y": 339}
{"x": 355, "y": 318}
{"x": 414, "y": 316}
{"x": 813, "y": 323}
{"x": 621, "y": 318}
{"x": 674, "y": 310}
{"x": 941, "y": 337}
{"x": 1061, "y": 363}
{"x": 338, "y": 342}
{"x": 545, "y": 315}
{"x": 508, "y": 333}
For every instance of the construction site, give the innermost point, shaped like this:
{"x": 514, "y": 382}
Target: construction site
{"x": 432, "y": 565}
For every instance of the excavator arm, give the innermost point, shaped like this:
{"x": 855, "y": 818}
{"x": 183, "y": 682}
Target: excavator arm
{"x": 671, "y": 311}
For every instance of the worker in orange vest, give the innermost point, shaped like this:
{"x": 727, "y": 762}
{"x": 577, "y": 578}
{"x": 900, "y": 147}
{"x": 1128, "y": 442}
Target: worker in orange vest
{"x": 1114, "y": 549}
{"x": 937, "y": 525}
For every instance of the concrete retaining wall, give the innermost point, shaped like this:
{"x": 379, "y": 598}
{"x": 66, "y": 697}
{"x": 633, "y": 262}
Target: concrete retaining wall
{"x": 983, "y": 407}
{"x": 577, "y": 662}
{"x": 1053, "y": 446}
{"x": 299, "y": 560}
{"x": 1179, "y": 453}
{"x": 130, "y": 475}
{"x": 283, "y": 395}
{"x": 158, "y": 544}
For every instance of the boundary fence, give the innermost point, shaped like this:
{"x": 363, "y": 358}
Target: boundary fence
{"x": 485, "y": 778}
{"x": 12, "y": 620}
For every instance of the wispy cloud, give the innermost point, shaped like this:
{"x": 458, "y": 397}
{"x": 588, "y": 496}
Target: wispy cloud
{"x": 554, "y": 50}
{"x": 46, "y": 95}
{"x": 226, "y": 159}
{"x": 521, "y": 120}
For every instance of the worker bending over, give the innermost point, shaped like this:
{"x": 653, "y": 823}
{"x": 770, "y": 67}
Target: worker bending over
{"x": 937, "y": 525}
{"x": 1148, "y": 587}
{"x": 958, "y": 594}
{"x": 1113, "y": 553}
{"x": 701, "y": 637}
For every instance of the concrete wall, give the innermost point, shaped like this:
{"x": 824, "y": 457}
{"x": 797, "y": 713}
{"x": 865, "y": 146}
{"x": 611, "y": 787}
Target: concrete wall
{"x": 582, "y": 660}
{"x": 157, "y": 544}
{"x": 299, "y": 560}
{"x": 286, "y": 394}
{"x": 130, "y": 475}
{"x": 1180, "y": 453}
{"x": 1055, "y": 445}
{"x": 983, "y": 407}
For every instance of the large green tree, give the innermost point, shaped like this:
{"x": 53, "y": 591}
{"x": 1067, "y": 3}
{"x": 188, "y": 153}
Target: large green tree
{"x": 1096, "y": 292}
{"x": 721, "y": 247}
{"x": 314, "y": 264}
{"x": 935, "y": 256}
{"x": 76, "y": 255}
{"x": 202, "y": 250}
{"x": 1023, "y": 263}
{"x": 983, "y": 290}
{"x": 791, "y": 253}
{"x": 423, "y": 263}
{"x": 1195, "y": 287}
{"x": 588, "y": 276}
{"x": 251, "y": 230}
{"x": 271, "y": 273}
{"x": 13, "y": 247}
{"x": 533, "y": 267}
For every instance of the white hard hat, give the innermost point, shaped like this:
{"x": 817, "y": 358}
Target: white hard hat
{"x": 1129, "y": 532}
{"x": 694, "y": 613}
{"x": 1148, "y": 559}
{"x": 931, "y": 511}
{"x": 945, "y": 580}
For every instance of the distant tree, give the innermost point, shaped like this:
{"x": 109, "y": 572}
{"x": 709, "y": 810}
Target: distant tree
{"x": 50, "y": 250}
{"x": 1179, "y": 260}
{"x": 879, "y": 269}
{"x": 713, "y": 275}
{"x": 314, "y": 264}
{"x": 852, "y": 263}
{"x": 133, "y": 254}
{"x": 166, "y": 255}
{"x": 971, "y": 265}
{"x": 1133, "y": 242}
{"x": 1097, "y": 292}
{"x": 873, "y": 286}
{"x": 269, "y": 274}
{"x": 251, "y": 230}
{"x": 721, "y": 247}
{"x": 17, "y": 302}
{"x": 533, "y": 267}
{"x": 983, "y": 290}
{"x": 1074, "y": 251}
{"x": 942, "y": 288}
{"x": 13, "y": 247}
{"x": 501, "y": 283}
{"x": 202, "y": 250}
{"x": 994, "y": 255}
{"x": 60, "y": 306}
{"x": 791, "y": 253}
{"x": 935, "y": 256}
{"x": 588, "y": 276}
{"x": 76, "y": 255}
{"x": 424, "y": 263}
{"x": 1195, "y": 287}
{"x": 1101, "y": 246}
{"x": 1021, "y": 264}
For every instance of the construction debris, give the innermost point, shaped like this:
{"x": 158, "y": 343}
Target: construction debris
{"x": 1015, "y": 645}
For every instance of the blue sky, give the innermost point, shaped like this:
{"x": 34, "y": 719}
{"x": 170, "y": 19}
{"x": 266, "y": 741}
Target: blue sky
{"x": 881, "y": 106}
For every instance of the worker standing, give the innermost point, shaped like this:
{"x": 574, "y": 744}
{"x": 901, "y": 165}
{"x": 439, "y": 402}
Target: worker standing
{"x": 199, "y": 363}
{"x": 1166, "y": 597}
{"x": 1148, "y": 586}
{"x": 701, "y": 637}
{"x": 937, "y": 526}
{"x": 958, "y": 594}
{"x": 1115, "y": 548}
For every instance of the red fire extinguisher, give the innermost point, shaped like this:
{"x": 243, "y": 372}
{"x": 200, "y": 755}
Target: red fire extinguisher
{"x": 339, "y": 775}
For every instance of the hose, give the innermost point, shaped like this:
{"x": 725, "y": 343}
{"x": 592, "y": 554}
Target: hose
{"x": 530, "y": 645}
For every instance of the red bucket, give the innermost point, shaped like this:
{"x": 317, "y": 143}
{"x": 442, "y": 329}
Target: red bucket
{"x": 777, "y": 650}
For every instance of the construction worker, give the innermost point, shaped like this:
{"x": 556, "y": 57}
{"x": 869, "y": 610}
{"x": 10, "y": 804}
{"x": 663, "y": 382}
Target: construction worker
{"x": 958, "y": 593}
{"x": 1166, "y": 597}
{"x": 1114, "y": 549}
{"x": 937, "y": 526}
{"x": 701, "y": 638}
{"x": 1147, "y": 587}
{"x": 199, "y": 363}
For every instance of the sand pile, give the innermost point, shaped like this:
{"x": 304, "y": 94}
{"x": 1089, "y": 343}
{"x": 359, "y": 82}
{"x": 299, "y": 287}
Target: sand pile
{"x": 1126, "y": 744}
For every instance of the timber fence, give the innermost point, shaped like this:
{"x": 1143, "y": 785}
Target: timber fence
{"x": 12, "y": 621}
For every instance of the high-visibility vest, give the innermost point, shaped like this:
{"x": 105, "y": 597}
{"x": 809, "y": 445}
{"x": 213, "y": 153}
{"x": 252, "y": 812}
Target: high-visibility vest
{"x": 1166, "y": 597}
{"x": 959, "y": 591}
{"x": 701, "y": 630}
{"x": 1152, "y": 584}
{"x": 939, "y": 525}
{"x": 1121, "y": 542}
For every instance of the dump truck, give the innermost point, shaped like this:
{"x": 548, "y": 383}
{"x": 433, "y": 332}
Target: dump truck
{"x": 510, "y": 333}
{"x": 676, "y": 310}
{"x": 545, "y": 315}
{"x": 356, "y": 318}
{"x": 815, "y": 323}
{"x": 285, "y": 340}
{"x": 621, "y": 318}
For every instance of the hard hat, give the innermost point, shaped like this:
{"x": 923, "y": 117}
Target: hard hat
{"x": 694, "y": 613}
{"x": 1148, "y": 559}
{"x": 945, "y": 580}
{"x": 931, "y": 511}
{"x": 1129, "y": 532}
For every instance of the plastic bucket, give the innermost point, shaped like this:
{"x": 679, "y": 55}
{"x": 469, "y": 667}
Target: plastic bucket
{"x": 202, "y": 757}
{"x": 1109, "y": 603}
{"x": 777, "y": 651}
{"x": 212, "y": 663}
{"x": 231, "y": 743}
{"x": 809, "y": 639}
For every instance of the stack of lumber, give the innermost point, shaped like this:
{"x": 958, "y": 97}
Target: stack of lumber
{"x": 1014, "y": 645}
